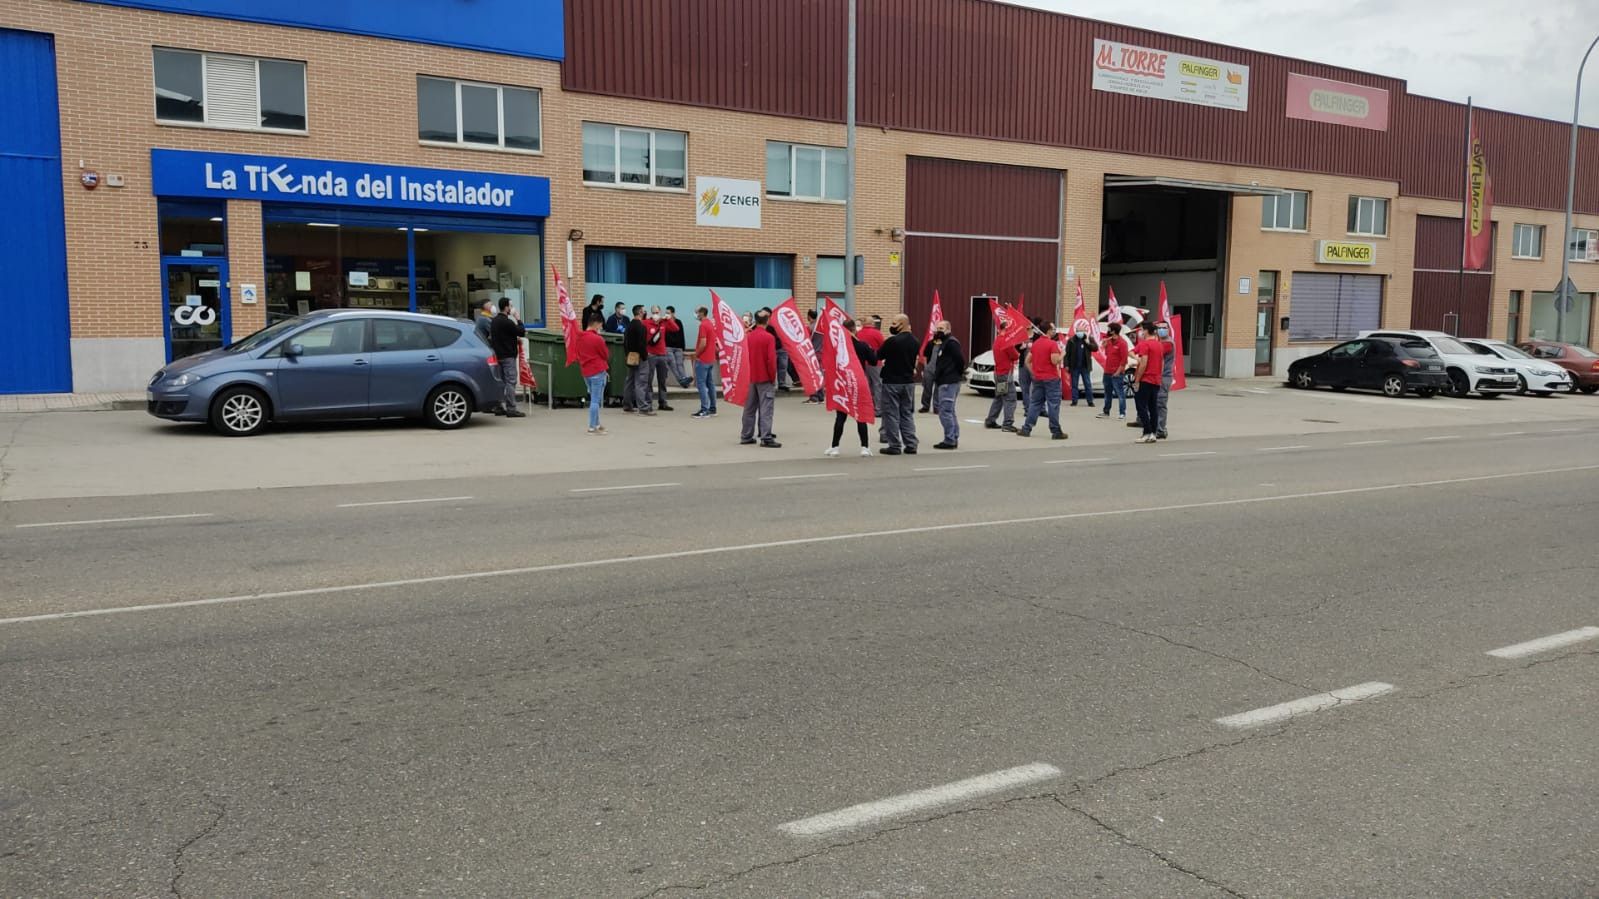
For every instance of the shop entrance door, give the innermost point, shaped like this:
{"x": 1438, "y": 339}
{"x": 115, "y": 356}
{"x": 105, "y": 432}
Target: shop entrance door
{"x": 196, "y": 303}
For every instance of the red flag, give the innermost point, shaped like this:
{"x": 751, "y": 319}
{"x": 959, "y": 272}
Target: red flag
{"x": 1080, "y": 311}
{"x": 1114, "y": 313}
{"x": 729, "y": 334}
{"x": 796, "y": 337}
{"x": 1010, "y": 327}
{"x": 847, "y": 387}
{"x": 1478, "y": 251}
{"x": 1178, "y": 379}
{"x": 1165, "y": 306}
{"x": 524, "y": 371}
{"x": 938, "y": 316}
{"x": 569, "y": 326}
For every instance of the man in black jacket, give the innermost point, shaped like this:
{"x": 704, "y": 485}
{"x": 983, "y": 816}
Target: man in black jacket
{"x": 898, "y": 357}
{"x": 1080, "y": 364}
{"x": 635, "y": 343}
{"x": 948, "y": 362}
{"x": 505, "y": 336}
{"x": 617, "y": 323}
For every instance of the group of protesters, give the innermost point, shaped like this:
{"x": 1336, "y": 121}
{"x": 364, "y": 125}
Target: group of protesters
{"x": 1037, "y": 374}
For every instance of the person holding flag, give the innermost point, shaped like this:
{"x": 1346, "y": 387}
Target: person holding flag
{"x": 1010, "y": 330}
{"x": 1046, "y": 357}
{"x": 1115, "y": 363}
{"x": 761, "y": 364}
{"x": 846, "y": 364}
{"x": 932, "y": 359}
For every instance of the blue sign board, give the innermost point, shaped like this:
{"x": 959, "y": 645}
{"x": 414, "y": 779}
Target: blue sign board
{"x": 515, "y": 27}
{"x": 287, "y": 179}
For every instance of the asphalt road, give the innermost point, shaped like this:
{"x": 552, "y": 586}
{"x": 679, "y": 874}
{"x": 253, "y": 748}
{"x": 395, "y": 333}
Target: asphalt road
{"x": 514, "y": 689}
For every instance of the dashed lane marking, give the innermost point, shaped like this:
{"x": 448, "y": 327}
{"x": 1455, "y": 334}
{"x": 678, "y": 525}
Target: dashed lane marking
{"x": 1285, "y": 710}
{"x": 908, "y": 803}
{"x": 1544, "y": 644}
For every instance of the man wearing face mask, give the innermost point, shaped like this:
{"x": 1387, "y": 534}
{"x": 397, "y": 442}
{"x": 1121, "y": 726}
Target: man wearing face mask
{"x": 948, "y": 363}
{"x": 898, "y": 357}
{"x": 1168, "y": 372}
{"x": 1080, "y": 351}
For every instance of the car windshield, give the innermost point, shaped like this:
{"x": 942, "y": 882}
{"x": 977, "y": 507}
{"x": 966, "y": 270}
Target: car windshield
{"x": 1421, "y": 349}
{"x": 1507, "y": 351}
{"x": 1452, "y": 347}
{"x": 264, "y": 336}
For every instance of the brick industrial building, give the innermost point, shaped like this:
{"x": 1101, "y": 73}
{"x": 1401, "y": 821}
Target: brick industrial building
{"x": 189, "y": 170}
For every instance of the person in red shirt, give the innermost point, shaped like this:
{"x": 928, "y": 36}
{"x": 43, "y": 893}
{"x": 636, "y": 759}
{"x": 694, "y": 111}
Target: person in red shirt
{"x": 1005, "y": 359}
{"x": 659, "y": 357}
{"x": 761, "y": 348}
{"x": 1151, "y": 355}
{"x": 705, "y": 353}
{"x": 1115, "y": 367}
{"x": 1044, "y": 396}
{"x": 594, "y": 361}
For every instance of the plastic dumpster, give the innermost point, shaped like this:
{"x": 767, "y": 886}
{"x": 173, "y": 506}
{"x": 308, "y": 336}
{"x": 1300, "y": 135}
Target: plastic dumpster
{"x": 561, "y": 383}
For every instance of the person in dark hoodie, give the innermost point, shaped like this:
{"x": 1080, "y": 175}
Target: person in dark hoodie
{"x": 1080, "y": 351}
{"x": 948, "y": 361}
{"x": 505, "y": 336}
{"x": 635, "y": 342}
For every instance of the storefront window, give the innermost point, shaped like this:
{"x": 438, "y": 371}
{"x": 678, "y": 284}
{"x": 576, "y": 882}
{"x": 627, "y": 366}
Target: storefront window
{"x": 329, "y": 265}
{"x": 192, "y": 228}
{"x": 1546, "y": 323}
{"x": 475, "y": 267}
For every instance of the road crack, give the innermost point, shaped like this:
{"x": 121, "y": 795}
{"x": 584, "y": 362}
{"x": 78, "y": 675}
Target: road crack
{"x": 1156, "y": 854}
{"x": 219, "y": 811}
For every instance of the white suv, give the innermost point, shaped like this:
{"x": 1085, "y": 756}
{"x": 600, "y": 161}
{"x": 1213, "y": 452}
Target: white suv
{"x": 1469, "y": 372}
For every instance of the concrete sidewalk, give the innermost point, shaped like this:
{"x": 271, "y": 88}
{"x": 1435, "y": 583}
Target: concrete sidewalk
{"x": 130, "y": 453}
{"x": 16, "y": 403}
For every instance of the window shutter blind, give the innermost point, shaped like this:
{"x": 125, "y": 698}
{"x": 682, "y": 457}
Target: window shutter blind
{"x": 230, "y": 92}
{"x": 1313, "y": 306}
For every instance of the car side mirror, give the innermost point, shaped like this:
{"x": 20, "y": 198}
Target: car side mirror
{"x": 293, "y": 349}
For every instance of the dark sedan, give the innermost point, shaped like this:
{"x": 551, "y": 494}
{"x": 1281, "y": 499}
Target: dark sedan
{"x": 1582, "y": 362}
{"x": 1393, "y": 365}
{"x": 341, "y": 363}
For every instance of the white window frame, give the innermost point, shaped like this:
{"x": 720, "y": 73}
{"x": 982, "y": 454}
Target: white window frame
{"x": 1573, "y": 253}
{"x": 1516, "y": 231}
{"x": 616, "y": 159}
{"x": 1304, "y": 200}
{"x": 460, "y": 143}
{"x": 793, "y": 174}
{"x": 205, "y": 107}
{"x": 1387, "y": 211}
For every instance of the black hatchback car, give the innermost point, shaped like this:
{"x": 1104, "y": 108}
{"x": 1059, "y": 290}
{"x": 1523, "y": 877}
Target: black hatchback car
{"x": 1392, "y": 365}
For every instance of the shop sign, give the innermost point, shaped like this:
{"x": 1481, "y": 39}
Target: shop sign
{"x": 1142, "y": 72}
{"x": 236, "y": 176}
{"x": 1337, "y": 102}
{"x": 1343, "y": 252}
{"x": 727, "y": 202}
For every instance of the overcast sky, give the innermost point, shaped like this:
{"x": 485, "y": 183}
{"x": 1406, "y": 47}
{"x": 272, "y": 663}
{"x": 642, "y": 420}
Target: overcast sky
{"x": 1515, "y": 55}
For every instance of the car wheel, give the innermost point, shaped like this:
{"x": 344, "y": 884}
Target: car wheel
{"x": 448, "y": 407}
{"x": 239, "y": 412}
{"x": 1459, "y": 384}
{"x": 1393, "y": 385}
{"x": 1521, "y": 385}
{"x": 1303, "y": 380}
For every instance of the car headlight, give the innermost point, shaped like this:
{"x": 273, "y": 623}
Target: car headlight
{"x": 1545, "y": 373}
{"x": 183, "y": 380}
{"x": 1484, "y": 370}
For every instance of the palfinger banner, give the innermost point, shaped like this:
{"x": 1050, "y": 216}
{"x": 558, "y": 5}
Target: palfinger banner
{"x": 1479, "y": 238}
{"x": 796, "y": 338}
{"x": 569, "y": 326}
{"x": 729, "y": 336}
{"x": 847, "y": 389}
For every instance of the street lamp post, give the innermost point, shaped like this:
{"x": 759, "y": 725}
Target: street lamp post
{"x": 1564, "y": 297}
{"x": 849, "y": 169}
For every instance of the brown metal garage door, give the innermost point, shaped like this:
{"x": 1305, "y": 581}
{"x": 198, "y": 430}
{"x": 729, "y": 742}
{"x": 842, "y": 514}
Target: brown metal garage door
{"x": 1441, "y": 298}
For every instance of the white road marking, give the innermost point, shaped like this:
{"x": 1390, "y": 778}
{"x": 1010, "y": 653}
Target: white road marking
{"x": 1565, "y": 430}
{"x": 1508, "y": 434}
{"x": 1444, "y": 437}
{"x": 1185, "y": 455}
{"x": 1368, "y": 442}
{"x": 921, "y": 800}
{"x": 1285, "y": 710}
{"x": 1258, "y": 390}
{"x": 1076, "y": 461}
{"x": 973, "y": 421}
{"x": 623, "y": 487}
{"x": 796, "y": 541}
{"x": 950, "y": 468}
{"x": 1282, "y": 449}
{"x": 1544, "y": 644}
{"x": 801, "y": 477}
{"x": 63, "y": 524}
{"x": 406, "y": 502}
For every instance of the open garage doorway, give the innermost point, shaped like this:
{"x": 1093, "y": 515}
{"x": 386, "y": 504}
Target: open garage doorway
{"x": 1160, "y": 229}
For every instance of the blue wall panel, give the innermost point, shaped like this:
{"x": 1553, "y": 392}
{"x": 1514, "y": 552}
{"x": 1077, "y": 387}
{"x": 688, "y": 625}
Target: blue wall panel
{"x": 35, "y": 347}
{"x": 516, "y": 27}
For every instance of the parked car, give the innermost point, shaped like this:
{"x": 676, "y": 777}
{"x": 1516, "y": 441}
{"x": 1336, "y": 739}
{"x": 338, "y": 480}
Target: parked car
{"x": 1468, "y": 371}
{"x": 333, "y": 364}
{"x": 980, "y": 374}
{"x": 1535, "y": 376}
{"x": 1390, "y": 364}
{"x": 1581, "y": 362}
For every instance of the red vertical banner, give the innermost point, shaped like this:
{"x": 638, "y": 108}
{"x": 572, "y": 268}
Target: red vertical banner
{"x": 847, "y": 389}
{"x": 1010, "y": 328}
{"x": 1178, "y": 379}
{"x": 1479, "y": 227}
{"x": 796, "y": 338}
{"x": 1114, "y": 312}
{"x": 938, "y": 316}
{"x": 1080, "y": 312}
{"x": 569, "y": 326}
{"x": 1165, "y": 305}
{"x": 729, "y": 335}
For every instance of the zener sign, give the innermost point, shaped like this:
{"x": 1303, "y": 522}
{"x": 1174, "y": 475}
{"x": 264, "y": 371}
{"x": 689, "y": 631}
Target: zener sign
{"x": 727, "y": 202}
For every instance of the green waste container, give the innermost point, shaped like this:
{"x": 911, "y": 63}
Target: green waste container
{"x": 546, "y": 353}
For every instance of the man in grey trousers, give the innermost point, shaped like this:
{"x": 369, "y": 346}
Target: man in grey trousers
{"x": 898, "y": 357}
{"x": 1168, "y": 373}
{"x": 948, "y": 362}
{"x": 761, "y": 348}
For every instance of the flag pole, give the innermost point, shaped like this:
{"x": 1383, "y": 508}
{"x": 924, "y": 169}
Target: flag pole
{"x": 1465, "y": 221}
